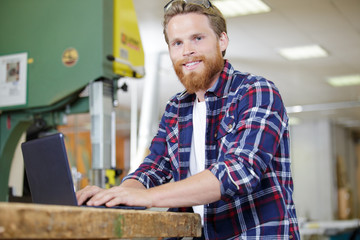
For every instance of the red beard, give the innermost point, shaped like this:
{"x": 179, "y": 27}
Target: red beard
{"x": 195, "y": 81}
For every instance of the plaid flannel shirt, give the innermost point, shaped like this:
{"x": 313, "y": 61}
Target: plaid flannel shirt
{"x": 247, "y": 149}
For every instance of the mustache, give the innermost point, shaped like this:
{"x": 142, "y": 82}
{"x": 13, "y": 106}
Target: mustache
{"x": 190, "y": 59}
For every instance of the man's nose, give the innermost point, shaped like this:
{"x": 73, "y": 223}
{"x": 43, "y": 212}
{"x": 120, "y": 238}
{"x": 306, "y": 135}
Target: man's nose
{"x": 188, "y": 49}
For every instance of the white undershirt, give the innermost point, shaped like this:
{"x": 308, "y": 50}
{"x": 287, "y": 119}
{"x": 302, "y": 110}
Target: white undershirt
{"x": 197, "y": 153}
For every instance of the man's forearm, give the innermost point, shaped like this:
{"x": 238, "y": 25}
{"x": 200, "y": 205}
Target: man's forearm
{"x": 199, "y": 189}
{"x": 202, "y": 188}
{"x": 132, "y": 183}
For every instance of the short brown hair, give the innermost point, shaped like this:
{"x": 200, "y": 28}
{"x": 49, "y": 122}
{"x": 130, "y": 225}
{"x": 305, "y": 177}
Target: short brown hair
{"x": 216, "y": 19}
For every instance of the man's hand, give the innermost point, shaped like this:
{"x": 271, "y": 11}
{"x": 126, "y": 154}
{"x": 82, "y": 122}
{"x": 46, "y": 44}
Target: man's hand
{"x": 86, "y": 193}
{"x": 130, "y": 192}
{"x": 121, "y": 195}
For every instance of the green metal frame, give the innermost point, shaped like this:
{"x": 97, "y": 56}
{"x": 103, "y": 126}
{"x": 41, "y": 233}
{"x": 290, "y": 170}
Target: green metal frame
{"x": 45, "y": 29}
{"x": 14, "y": 123}
{"x": 12, "y": 127}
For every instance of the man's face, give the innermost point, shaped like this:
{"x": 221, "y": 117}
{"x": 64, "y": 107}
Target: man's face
{"x": 195, "y": 51}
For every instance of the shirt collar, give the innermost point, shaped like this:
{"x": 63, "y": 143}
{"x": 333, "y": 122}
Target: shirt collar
{"x": 222, "y": 85}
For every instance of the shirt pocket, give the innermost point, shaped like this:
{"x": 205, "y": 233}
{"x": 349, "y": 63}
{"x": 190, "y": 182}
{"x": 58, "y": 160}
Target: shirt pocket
{"x": 227, "y": 125}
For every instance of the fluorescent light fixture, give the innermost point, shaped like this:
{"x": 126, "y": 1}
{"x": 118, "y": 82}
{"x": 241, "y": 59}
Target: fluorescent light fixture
{"x": 233, "y": 8}
{"x": 342, "y": 81}
{"x": 322, "y": 107}
{"x": 294, "y": 109}
{"x": 303, "y": 52}
{"x": 351, "y": 123}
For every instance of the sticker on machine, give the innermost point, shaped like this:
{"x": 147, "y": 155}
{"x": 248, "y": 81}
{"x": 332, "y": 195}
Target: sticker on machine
{"x": 13, "y": 79}
{"x": 70, "y": 57}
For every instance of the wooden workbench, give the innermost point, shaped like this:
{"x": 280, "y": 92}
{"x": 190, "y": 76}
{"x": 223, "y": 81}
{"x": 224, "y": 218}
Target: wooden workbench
{"x": 20, "y": 220}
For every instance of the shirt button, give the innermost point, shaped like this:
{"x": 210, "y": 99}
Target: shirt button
{"x": 290, "y": 237}
{"x": 230, "y": 126}
{"x": 215, "y": 135}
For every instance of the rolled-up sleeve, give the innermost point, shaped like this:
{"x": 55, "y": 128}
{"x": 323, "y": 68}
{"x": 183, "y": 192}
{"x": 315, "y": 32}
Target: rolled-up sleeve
{"x": 155, "y": 169}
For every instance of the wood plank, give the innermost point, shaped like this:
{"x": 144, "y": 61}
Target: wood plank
{"x": 20, "y": 220}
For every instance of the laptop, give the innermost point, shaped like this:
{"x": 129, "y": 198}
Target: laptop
{"x": 49, "y": 174}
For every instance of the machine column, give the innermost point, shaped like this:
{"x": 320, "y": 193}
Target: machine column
{"x": 101, "y": 106}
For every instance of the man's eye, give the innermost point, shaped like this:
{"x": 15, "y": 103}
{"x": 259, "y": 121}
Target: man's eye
{"x": 198, "y": 38}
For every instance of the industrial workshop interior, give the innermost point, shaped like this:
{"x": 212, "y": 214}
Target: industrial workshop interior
{"x": 99, "y": 72}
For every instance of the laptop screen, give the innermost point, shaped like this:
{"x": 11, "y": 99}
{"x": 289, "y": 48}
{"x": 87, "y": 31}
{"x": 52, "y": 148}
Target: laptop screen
{"x": 48, "y": 171}
{"x": 49, "y": 175}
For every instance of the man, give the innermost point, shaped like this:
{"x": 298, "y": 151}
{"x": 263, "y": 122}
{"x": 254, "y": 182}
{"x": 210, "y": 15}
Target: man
{"x": 224, "y": 141}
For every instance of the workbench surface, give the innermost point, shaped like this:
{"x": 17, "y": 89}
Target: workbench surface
{"x": 22, "y": 220}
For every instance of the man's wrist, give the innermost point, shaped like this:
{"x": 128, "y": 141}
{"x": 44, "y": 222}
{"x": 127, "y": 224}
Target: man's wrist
{"x": 132, "y": 183}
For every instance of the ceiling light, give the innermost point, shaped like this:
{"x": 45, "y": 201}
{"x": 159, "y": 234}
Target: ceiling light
{"x": 294, "y": 109}
{"x": 303, "y": 52}
{"x": 233, "y": 8}
{"x": 322, "y": 107}
{"x": 349, "y": 123}
{"x": 342, "y": 81}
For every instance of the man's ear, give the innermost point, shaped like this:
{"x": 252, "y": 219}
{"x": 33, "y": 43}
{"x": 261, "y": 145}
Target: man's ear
{"x": 223, "y": 41}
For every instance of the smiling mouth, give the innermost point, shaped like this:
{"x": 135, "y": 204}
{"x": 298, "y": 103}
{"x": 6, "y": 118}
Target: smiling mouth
{"x": 191, "y": 65}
